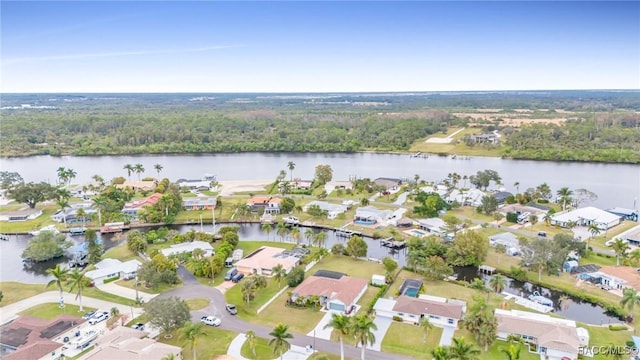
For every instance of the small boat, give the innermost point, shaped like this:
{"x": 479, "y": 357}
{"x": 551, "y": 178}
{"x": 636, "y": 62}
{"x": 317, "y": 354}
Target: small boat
{"x": 4, "y": 237}
{"x": 50, "y": 228}
{"x": 537, "y": 298}
{"x": 77, "y": 230}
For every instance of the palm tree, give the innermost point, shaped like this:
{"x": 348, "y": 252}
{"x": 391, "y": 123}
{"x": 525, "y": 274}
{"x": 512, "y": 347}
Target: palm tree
{"x": 426, "y": 326}
{"x": 129, "y": 169}
{"x": 517, "y": 185}
{"x": 291, "y": 165}
{"x": 361, "y": 327}
{"x": 498, "y": 283}
{"x": 139, "y": 169}
{"x": 565, "y": 196}
{"x": 191, "y": 332}
{"x": 278, "y": 273}
{"x": 62, "y": 175}
{"x": 620, "y": 247}
{"x": 77, "y": 280}
{"x": 282, "y": 230}
{"x": 309, "y": 234}
{"x": 440, "y": 353}
{"x": 59, "y": 275}
{"x": 71, "y": 174}
{"x": 594, "y": 230}
{"x": 320, "y": 238}
{"x": 295, "y": 234}
{"x": 634, "y": 257}
{"x": 630, "y": 299}
{"x": 63, "y": 204}
{"x": 462, "y": 350}
{"x": 279, "y": 342}
{"x": 251, "y": 339}
{"x": 81, "y": 214}
{"x": 158, "y": 168}
{"x": 487, "y": 332}
{"x": 342, "y": 324}
{"x": 171, "y": 356}
{"x": 266, "y": 228}
{"x": 248, "y": 290}
{"x": 512, "y": 352}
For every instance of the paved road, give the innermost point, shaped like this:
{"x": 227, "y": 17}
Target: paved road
{"x": 234, "y": 323}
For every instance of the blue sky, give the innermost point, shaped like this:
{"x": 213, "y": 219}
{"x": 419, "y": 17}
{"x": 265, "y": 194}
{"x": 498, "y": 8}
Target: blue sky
{"x": 318, "y": 46}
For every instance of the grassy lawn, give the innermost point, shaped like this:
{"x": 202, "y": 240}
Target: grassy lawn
{"x": 494, "y": 350}
{"x": 248, "y": 312}
{"x": 598, "y": 259}
{"x": 131, "y": 284}
{"x": 49, "y": 311}
{"x": 14, "y": 291}
{"x": 30, "y": 225}
{"x": 197, "y": 303}
{"x": 471, "y": 213}
{"x": 98, "y": 294}
{"x": 407, "y": 339}
{"x": 262, "y": 348}
{"x": 350, "y": 266}
{"x": 120, "y": 252}
{"x": 550, "y": 230}
{"x": 215, "y": 342}
{"x": 601, "y": 238}
{"x": 250, "y": 246}
{"x": 325, "y": 356}
{"x": 366, "y": 299}
{"x": 299, "y": 320}
{"x": 602, "y": 336}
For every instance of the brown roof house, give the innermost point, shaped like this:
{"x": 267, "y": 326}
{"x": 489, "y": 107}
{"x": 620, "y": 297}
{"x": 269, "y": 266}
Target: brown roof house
{"x": 616, "y": 277}
{"x": 263, "y": 260}
{"x": 440, "y": 311}
{"x": 30, "y": 338}
{"x": 552, "y": 338}
{"x": 336, "y": 291}
{"x": 265, "y": 204}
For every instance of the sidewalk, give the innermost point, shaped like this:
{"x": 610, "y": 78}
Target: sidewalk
{"x": 9, "y": 312}
{"x": 125, "y": 292}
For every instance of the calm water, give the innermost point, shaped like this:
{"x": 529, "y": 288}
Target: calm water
{"x": 615, "y": 184}
{"x": 574, "y": 309}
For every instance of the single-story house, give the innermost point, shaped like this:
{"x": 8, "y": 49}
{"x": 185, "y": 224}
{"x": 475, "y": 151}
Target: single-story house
{"x": 615, "y": 277}
{"x": 632, "y": 236}
{"x": 20, "y": 215}
{"x": 439, "y": 311}
{"x": 626, "y": 214}
{"x": 266, "y": 204}
{"x": 336, "y": 291}
{"x": 263, "y": 260}
{"x": 339, "y": 185}
{"x": 501, "y": 196}
{"x": 30, "y": 338}
{"x": 508, "y": 240}
{"x": 126, "y": 343}
{"x": 199, "y": 184}
{"x": 434, "y": 226}
{"x": 138, "y": 185}
{"x": 113, "y": 268}
{"x": 523, "y": 211}
{"x": 70, "y": 214}
{"x": 552, "y": 338}
{"x": 199, "y": 203}
{"x": 188, "y": 247}
{"x": 404, "y": 223}
{"x": 586, "y": 216}
{"x": 333, "y": 210}
{"x": 388, "y": 183}
{"x": 133, "y": 207}
{"x": 369, "y": 215}
{"x": 301, "y": 184}
{"x": 469, "y": 197}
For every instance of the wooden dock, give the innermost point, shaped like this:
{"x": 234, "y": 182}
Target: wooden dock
{"x": 393, "y": 244}
{"x": 486, "y": 269}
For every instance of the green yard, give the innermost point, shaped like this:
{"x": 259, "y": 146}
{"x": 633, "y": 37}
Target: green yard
{"x": 215, "y": 342}
{"x": 299, "y": 320}
{"x": 248, "y": 311}
{"x": 350, "y": 266}
{"x": 408, "y": 340}
{"x": 262, "y": 350}
{"x": 120, "y": 252}
{"x": 49, "y": 311}
{"x": 14, "y": 291}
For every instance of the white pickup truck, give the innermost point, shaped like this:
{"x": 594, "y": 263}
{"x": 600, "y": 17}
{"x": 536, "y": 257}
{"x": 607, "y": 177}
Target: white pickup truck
{"x": 292, "y": 220}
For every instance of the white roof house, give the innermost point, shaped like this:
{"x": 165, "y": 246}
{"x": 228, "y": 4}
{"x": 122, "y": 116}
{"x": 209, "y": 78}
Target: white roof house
{"x": 194, "y": 184}
{"x": 111, "y": 268}
{"x": 586, "y": 216}
{"x": 433, "y": 225}
{"x": 333, "y": 210}
{"x": 370, "y": 215}
{"x": 508, "y": 240}
{"x": 471, "y": 197}
{"x": 188, "y": 247}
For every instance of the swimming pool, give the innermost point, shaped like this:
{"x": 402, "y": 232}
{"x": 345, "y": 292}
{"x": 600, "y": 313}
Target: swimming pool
{"x": 416, "y": 232}
{"x": 364, "y": 222}
{"x": 411, "y": 292}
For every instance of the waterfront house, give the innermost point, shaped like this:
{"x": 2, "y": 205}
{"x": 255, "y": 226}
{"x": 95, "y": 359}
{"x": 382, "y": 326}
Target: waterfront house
{"x": 501, "y": 196}
{"x": 188, "y": 247}
{"x": 552, "y": 338}
{"x": 626, "y": 214}
{"x": 30, "y": 338}
{"x": 586, "y": 216}
{"x": 333, "y": 210}
{"x": 70, "y": 214}
{"x": 435, "y": 226}
{"x": 440, "y": 311}
{"x": 388, "y": 183}
{"x": 508, "y": 240}
{"x": 523, "y": 211}
{"x": 336, "y": 291}
{"x": 631, "y": 236}
{"x": 132, "y": 208}
{"x": 615, "y": 277}
{"x": 199, "y": 203}
{"x": 265, "y": 204}
{"x": 370, "y": 215}
{"x": 143, "y": 185}
{"x": 468, "y": 197}
{"x": 20, "y": 215}
{"x": 263, "y": 260}
{"x": 487, "y": 138}
{"x": 113, "y": 268}
{"x": 197, "y": 184}
{"x": 301, "y": 184}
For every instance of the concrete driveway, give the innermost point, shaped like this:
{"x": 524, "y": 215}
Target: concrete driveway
{"x": 383, "y": 324}
{"x": 319, "y": 331}
{"x": 447, "y": 335}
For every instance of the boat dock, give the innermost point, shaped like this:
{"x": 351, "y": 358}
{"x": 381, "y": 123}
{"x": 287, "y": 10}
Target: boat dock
{"x": 393, "y": 244}
{"x": 486, "y": 269}
{"x": 346, "y": 233}
{"x": 527, "y": 303}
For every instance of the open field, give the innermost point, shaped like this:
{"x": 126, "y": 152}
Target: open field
{"x": 49, "y": 311}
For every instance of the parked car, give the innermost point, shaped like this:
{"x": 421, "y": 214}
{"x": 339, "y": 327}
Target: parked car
{"x": 101, "y": 316}
{"x": 211, "y": 320}
{"x": 237, "y": 277}
{"x": 88, "y": 315}
{"x": 231, "y": 309}
{"x": 542, "y": 234}
{"x": 138, "y": 326}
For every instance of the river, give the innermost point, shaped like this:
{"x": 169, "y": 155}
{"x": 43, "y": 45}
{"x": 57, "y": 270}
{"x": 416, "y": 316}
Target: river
{"x": 615, "y": 184}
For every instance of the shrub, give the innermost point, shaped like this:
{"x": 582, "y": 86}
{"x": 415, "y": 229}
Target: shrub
{"x": 111, "y": 280}
{"x": 338, "y": 249}
{"x": 397, "y": 318}
{"x": 295, "y": 277}
{"x": 379, "y": 294}
{"x": 613, "y": 327}
{"x": 518, "y": 273}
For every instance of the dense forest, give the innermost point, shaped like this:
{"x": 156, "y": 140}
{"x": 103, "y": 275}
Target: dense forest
{"x": 606, "y": 128}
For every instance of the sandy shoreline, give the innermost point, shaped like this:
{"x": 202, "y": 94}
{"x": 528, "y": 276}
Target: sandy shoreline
{"x": 229, "y": 187}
